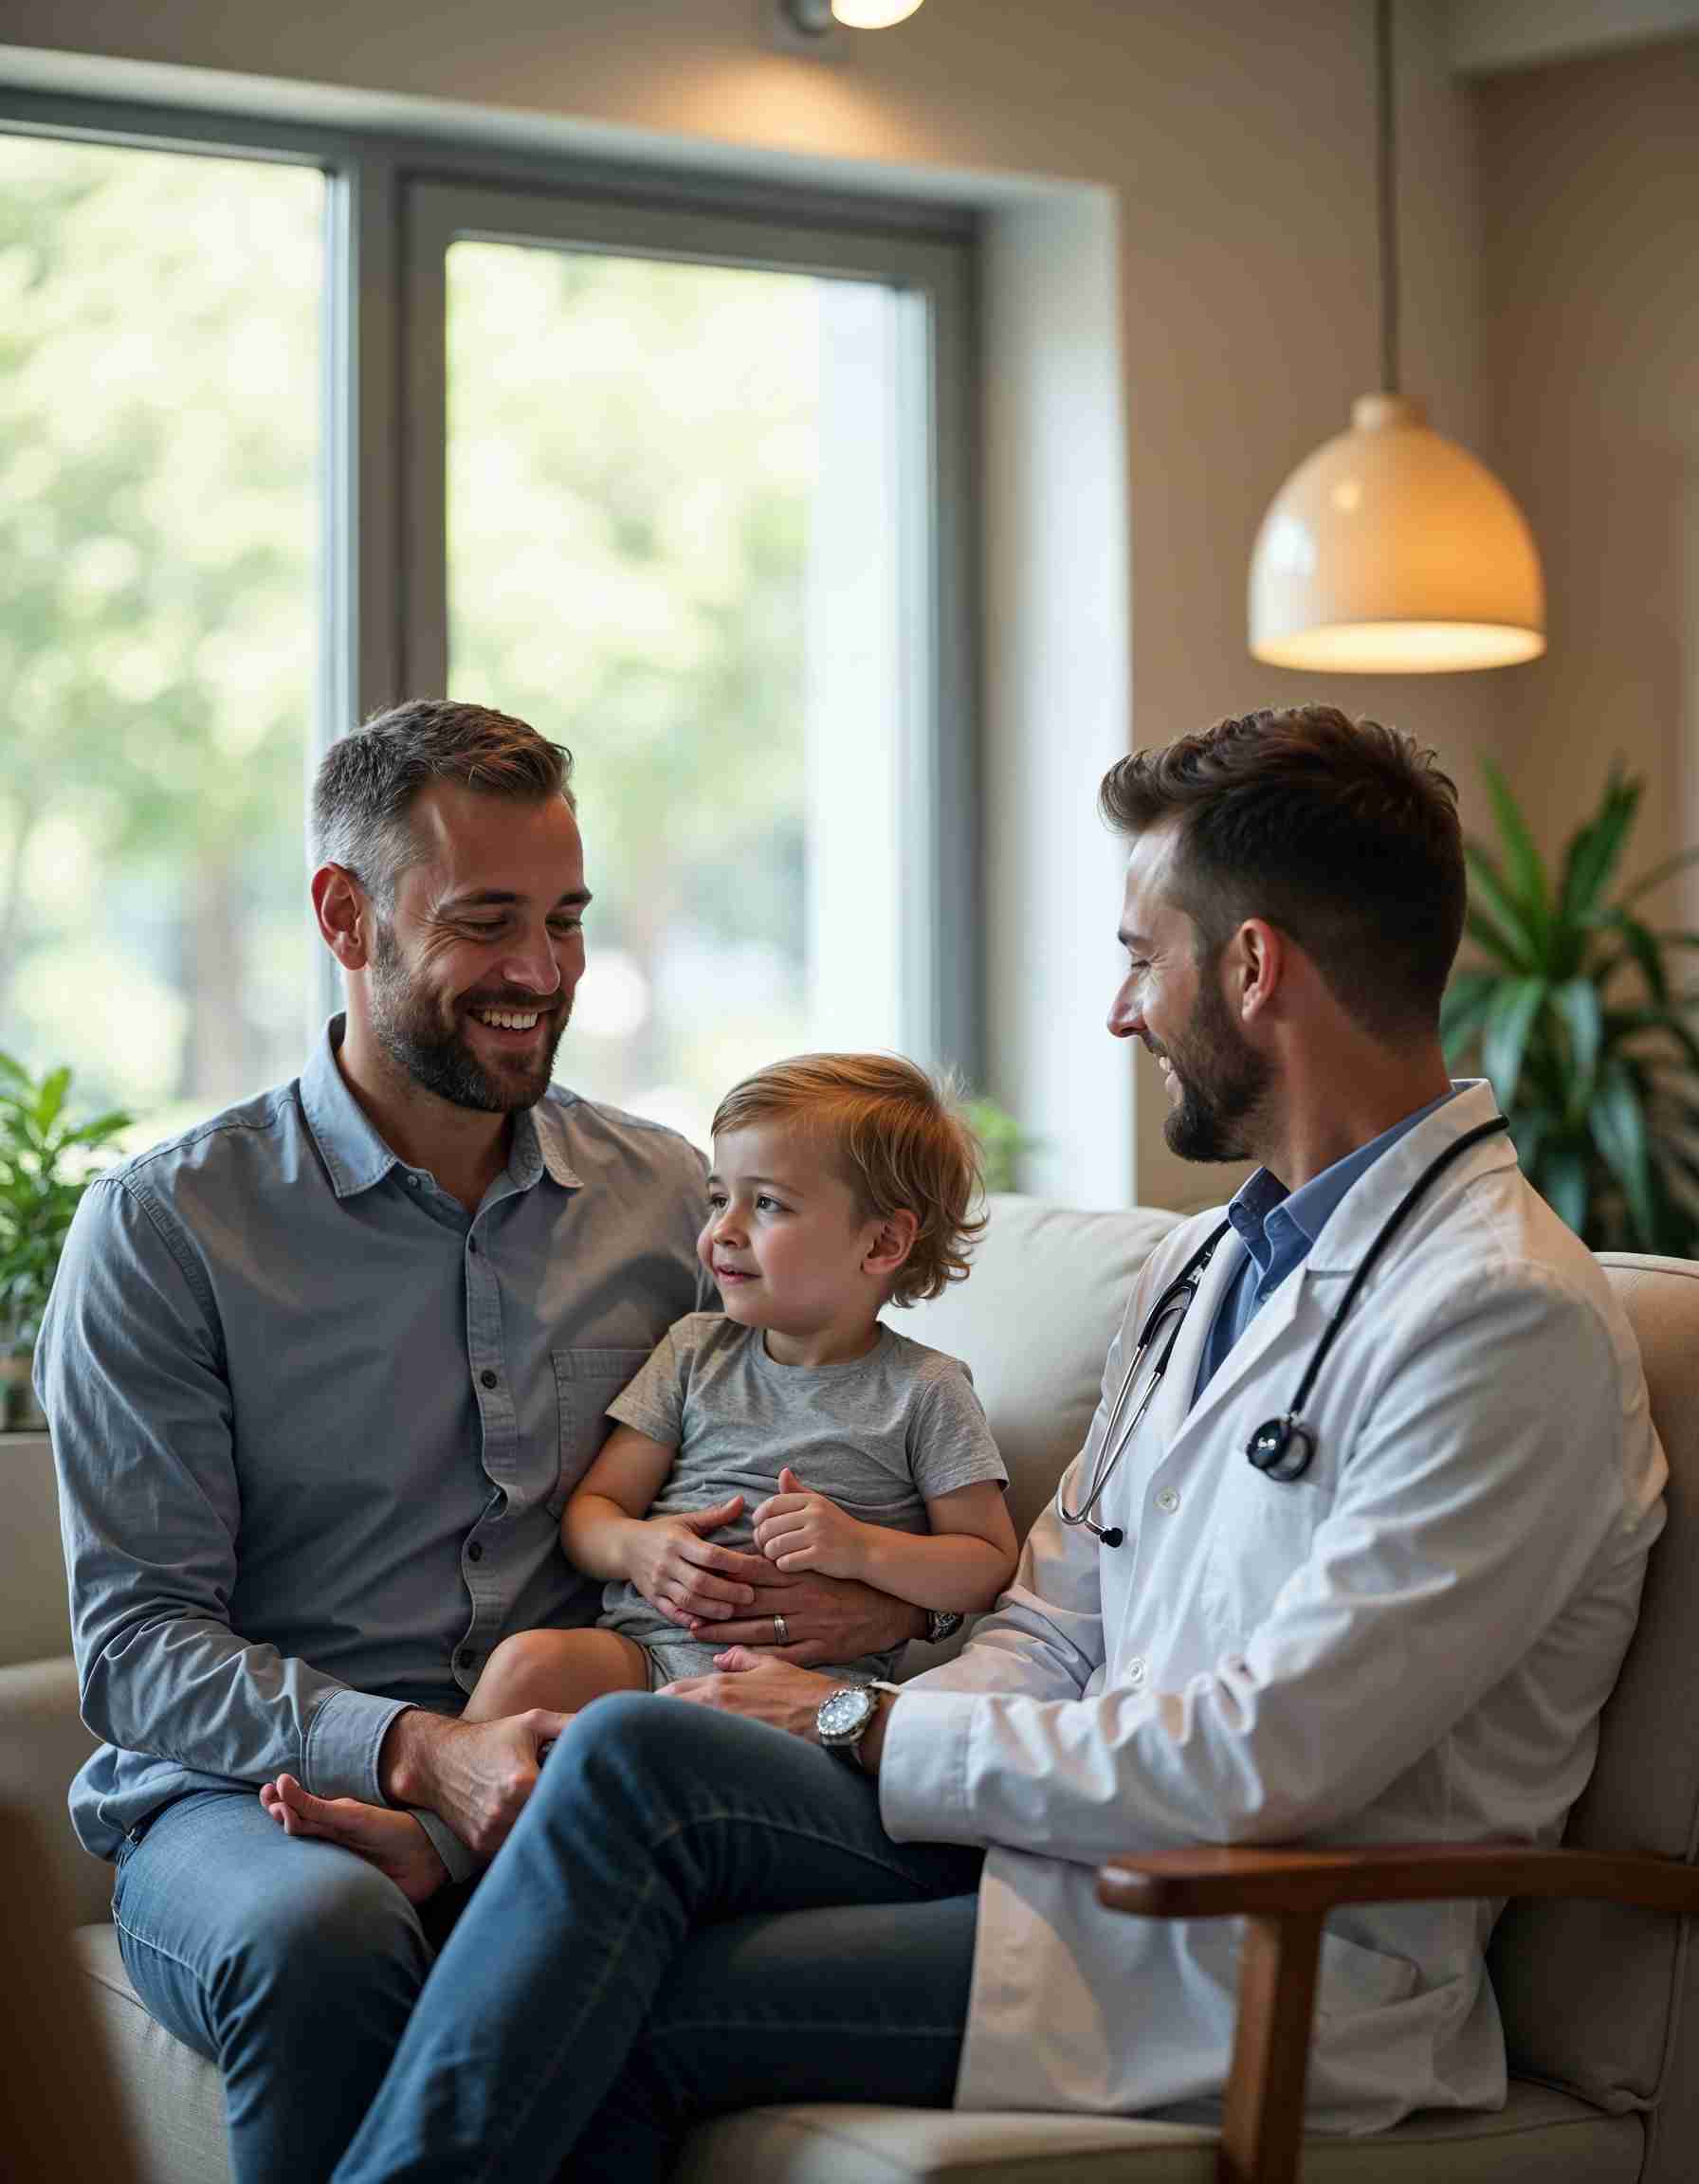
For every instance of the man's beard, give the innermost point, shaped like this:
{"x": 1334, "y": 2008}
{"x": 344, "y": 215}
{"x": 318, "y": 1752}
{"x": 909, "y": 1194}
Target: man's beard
{"x": 438, "y": 1056}
{"x": 1221, "y": 1077}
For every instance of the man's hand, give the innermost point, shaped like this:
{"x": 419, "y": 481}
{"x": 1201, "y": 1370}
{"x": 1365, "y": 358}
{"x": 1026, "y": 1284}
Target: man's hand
{"x": 825, "y": 1619}
{"x": 799, "y": 1530}
{"x": 477, "y": 1774}
{"x": 678, "y": 1571}
{"x": 762, "y": 1688}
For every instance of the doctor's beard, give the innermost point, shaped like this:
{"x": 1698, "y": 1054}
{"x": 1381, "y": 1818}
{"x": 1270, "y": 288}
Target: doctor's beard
{"x": 1222, "y": 1081}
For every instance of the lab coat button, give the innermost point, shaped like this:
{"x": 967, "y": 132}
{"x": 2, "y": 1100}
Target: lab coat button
{"x": 1168, "y": 1501}
{"x": 1135, "y": 1670}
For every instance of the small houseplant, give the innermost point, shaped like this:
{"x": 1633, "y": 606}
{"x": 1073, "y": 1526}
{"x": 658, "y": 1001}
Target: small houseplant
{"x": 1577, "y": 1015}
{"x": 46, "y": 1165}
{"x": 1002, "y": 1141}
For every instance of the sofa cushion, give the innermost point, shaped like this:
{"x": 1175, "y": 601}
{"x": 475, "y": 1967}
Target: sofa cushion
{"x": 42, "y": 1743}
{"x": 1033, "y": 1321}
{"x": 35, "y": 1617}
{"x": 176, "y": 2116}
{"x": 172, "y": 2097}
{"x": 1539, "y": 2137}
{"x": 1587, "y": 1990}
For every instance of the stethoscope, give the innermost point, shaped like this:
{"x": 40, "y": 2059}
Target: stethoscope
{"x": 1284, "y": 1447}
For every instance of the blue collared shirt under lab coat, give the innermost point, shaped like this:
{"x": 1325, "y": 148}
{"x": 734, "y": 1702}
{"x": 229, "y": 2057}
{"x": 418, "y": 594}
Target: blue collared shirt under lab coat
{"x": 1277, "y": 1228}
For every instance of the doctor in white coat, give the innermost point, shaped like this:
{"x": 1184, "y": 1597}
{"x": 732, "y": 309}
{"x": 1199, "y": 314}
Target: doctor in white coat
{"x": 1397, "y": 1617}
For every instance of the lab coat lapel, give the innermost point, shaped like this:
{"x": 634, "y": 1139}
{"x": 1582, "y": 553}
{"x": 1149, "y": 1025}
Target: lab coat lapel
{"x": 1247, "y": 1354}
{"x": 1173, "y": 1399}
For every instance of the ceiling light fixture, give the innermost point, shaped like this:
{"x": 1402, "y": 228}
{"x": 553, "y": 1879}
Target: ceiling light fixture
{"x": 1391, "y": 550}
{"x": 816, "y": 16}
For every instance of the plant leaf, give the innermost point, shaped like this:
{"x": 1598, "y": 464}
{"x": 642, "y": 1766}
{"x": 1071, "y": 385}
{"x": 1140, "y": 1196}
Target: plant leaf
{"x": 1618, "y": 1124}
{"x": 51, "y": 1099}
{"x": 1576, "y": 1002}
{"x": 1505, "y": 1036}
{"x": 1667, "y": 871}
{"x": 1564, "y": 1186}
{"x": 1464, "y": 1010}
{"x": 1524, "y": 866}
{"x": 1493, "y": 906}
{"x": 1595, "y": 849}
{"x": 1641, "y": 948}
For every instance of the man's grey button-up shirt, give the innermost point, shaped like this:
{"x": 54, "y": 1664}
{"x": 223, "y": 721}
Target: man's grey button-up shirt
{"x": 315, "y": 1424}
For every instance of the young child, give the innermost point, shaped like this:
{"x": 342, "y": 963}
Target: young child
{"x": 797, "y": 1433}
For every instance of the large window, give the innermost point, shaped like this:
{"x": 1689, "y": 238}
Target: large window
{"x": 284, "y": 439}
{"x": 159, "y": 626}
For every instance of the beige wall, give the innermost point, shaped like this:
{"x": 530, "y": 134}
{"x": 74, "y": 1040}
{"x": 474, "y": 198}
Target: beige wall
{"x": 1592, "y": 195}
{"x": 1214, "y": 159}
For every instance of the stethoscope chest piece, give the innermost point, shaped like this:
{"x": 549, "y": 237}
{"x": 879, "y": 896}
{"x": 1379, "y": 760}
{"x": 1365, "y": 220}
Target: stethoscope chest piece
{"x": 1281, "y": 1448}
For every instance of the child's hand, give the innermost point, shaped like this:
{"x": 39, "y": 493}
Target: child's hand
{"x": 678, "y": 1570}
{"x": 802, "y": 1531}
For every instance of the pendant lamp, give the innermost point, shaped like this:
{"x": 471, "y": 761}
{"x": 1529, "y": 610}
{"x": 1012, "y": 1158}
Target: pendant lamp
{"x": 1391, "y": 550}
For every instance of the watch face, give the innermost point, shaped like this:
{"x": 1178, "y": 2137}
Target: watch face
{"x": 844, "y": 1712}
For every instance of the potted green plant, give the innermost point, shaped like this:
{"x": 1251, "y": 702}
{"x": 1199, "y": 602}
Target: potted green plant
{"x": 1576, "y": 1015}
{"x": 46, "y": 1165}
{"x": 1002, "y": 1141}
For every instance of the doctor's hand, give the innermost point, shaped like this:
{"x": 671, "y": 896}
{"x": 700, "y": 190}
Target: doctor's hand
{"x": 760, "y": 1687}
{"x": 799, "y": 1530}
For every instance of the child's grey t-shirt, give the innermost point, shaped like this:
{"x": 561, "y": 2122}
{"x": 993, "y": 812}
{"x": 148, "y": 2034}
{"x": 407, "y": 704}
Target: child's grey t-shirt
{"x": 878, "y": 1435}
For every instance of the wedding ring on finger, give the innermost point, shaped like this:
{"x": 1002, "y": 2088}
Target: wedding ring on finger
{"x": 781, "y": 1632}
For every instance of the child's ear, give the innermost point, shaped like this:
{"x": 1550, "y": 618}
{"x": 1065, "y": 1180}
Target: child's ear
{"x": 893, "y": 1240}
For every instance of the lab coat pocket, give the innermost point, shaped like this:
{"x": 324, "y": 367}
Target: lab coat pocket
{"x": 1352, "y": 1979}
{"x": 1260, "y": 1532}
{"x": 586, "y": 1381}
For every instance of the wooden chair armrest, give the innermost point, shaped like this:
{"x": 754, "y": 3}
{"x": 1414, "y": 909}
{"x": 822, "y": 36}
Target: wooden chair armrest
{"x": 1217, "y": 1882}
{"x": 1283, "y": 1894}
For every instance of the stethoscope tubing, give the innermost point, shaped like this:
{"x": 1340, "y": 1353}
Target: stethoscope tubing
{"x": 1266, "y": 1449}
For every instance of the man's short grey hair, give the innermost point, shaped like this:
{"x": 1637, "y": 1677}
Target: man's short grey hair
{"x": 365, "y": 787}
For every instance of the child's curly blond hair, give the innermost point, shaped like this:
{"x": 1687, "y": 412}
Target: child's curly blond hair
{"x": 900, "y": 1144}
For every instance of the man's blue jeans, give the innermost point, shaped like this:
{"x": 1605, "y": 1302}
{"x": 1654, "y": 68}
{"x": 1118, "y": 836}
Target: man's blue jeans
{"x": 695, "y": 1913}
{"x": 293, "y": 1964}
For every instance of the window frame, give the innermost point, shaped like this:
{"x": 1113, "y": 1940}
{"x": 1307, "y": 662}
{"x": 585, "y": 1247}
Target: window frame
{"x": 383, "y": 609}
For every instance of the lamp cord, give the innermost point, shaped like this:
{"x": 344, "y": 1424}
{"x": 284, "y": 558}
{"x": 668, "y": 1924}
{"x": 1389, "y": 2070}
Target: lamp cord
{"x": 1387, "y": 176}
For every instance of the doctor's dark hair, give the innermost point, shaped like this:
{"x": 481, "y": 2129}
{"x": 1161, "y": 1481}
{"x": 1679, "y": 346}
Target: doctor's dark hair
{"x": 895, "y": 1136}
{"x": 363, "y": 792}
{"x": 1342, "y": 833}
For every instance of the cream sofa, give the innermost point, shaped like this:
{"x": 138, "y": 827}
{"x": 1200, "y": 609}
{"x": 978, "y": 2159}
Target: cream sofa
{"x": 1599, "y": 2002}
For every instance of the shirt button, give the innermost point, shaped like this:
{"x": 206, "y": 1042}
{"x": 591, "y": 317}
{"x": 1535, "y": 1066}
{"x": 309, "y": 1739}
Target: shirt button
{"x": 412, "y": 1182}
{"x": 475, "y": 1552}
{"x": 488, "y": 1377}
{"x": 1168, "y": 1501}
{"x": 464, "y": 1658}
{"x": 471, "y": 1242}
{"x": 1135, "y": 1670}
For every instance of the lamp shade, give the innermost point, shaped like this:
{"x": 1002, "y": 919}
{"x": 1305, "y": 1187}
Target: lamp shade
{"x": 1391, "y": 550}
{"x": 873, "y": 14}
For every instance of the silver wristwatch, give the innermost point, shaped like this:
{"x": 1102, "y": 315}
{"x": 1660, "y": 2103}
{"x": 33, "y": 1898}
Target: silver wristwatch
{"x": 941, "y": 1623}
{"x": 844, "y": 1716}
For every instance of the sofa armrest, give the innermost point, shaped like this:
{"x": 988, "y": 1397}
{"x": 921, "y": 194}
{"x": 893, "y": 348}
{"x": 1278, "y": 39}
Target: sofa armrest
{"x": 1283, "y": 1894}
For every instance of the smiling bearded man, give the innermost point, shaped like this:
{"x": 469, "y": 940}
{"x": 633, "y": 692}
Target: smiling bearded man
{"x": 321, "y": 1373}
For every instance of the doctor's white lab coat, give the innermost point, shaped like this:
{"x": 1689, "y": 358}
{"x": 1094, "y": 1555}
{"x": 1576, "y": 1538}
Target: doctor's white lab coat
{"x": 1413, "y": 1641}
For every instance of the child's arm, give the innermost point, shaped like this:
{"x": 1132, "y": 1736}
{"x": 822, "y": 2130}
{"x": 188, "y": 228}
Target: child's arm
{"x": 962, "y": 1563}
{"x": 607, "y": 1532}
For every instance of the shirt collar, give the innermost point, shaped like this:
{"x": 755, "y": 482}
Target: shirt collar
{"x": 1271, "y": 1221}
{"x": 355, "y": 1157}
